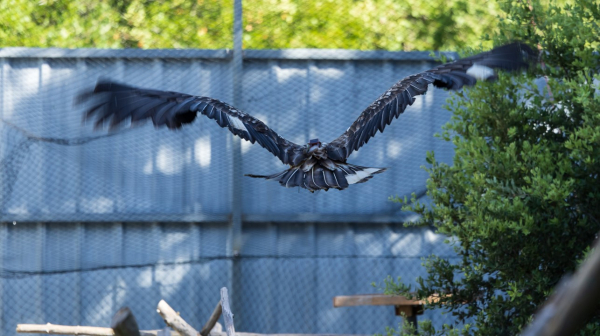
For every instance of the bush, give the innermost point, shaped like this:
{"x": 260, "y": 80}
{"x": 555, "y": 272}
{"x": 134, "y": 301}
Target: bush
{"x": 521, "y": 201}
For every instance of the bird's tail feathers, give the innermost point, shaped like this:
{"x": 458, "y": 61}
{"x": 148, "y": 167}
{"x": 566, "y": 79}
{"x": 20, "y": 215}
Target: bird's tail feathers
{"x": 321, "y": 178}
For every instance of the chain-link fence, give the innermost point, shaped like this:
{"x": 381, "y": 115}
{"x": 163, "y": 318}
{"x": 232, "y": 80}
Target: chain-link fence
{"x": 92, "y": 221}
{"x": 282, "y": 282}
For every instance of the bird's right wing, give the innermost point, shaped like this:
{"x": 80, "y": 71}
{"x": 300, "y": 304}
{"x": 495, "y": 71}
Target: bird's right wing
{"x": 118, "y": 102}
{"x": 452, "y": 76}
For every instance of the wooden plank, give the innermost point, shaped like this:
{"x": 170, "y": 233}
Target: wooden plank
{"x": 374, "y": 300}
{"x": 378, "y": 300}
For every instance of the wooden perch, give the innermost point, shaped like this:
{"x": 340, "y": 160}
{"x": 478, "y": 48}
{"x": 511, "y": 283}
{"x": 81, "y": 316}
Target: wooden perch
{"x": 63, "y": 330}
{"x": 573, "y": 302}
{"x": 99, "y": 331}
{"x": 124, "y": 323}
{"x": 173, "y": 320}
{"x": 210, "y": 324}
{"x": 379, "y": 300}
{"x": 227, "y": 314}
{"x": 78, "y": 330}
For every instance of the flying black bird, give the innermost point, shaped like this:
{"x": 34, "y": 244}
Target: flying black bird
{"x": 316, "y": 165}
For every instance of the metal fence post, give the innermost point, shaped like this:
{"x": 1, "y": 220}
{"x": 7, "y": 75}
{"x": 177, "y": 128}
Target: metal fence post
{"x": 235, "y": 236}
{"x": 236, "y": 204}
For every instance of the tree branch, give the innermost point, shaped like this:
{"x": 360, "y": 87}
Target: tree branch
{"x": 227, "y": 314}
{"x": 77, "y": 330}
{"x": 210, "y": 324}
{"x": 63, "y": 330}
{"x": 173, "y": 320}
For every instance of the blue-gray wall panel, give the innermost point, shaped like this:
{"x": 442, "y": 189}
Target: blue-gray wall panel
{"x": 288, "y": 272}
{"x": 285, "y": 279}
{"x": 144, "y": 171}
{"x": 141, "y": 171}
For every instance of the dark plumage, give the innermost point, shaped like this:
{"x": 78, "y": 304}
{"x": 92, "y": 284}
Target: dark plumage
{"x": 314, "y": 166}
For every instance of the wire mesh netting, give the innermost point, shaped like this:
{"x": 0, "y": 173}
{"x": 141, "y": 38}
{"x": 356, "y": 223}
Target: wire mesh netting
{"x": 96, "y": 220}
{"x": 283, "y": 281}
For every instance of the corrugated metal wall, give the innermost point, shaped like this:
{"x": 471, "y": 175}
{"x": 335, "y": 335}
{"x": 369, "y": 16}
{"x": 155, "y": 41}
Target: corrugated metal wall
{"x": 142, "y": 215}
{"x": 284, "y": 280}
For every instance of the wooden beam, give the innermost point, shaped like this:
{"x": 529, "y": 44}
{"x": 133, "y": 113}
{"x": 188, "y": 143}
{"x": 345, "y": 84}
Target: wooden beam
{"x": 210, "y": 324}
{"x": 374, "y": 300}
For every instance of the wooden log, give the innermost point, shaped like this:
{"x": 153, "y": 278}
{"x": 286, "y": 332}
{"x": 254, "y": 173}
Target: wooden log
{"x": 124, "y": 324}
{"x": 78, "y": 330}
{"x": 210, "y": 324}
{"x": 227, "y": 314}
{"x": 63, "y": 330}
{"x": 173, "y": 320}
{"x": 100, "y": 331}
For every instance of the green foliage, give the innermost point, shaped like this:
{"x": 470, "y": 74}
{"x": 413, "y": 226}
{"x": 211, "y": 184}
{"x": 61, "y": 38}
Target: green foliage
{"x": 367, "y": 24}
{"x": 268, "y": 24}
{"x": 520, "y": 201}
{"x": 116, "y": 24}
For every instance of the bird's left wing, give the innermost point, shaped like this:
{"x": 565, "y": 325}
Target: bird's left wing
{"x": 115, "y": 103}
{"x": 452, "y": 76}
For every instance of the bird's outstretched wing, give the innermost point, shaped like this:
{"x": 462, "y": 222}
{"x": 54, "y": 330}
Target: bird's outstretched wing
{"x": 115, "y": 102}
{"x": 452, "y": 76}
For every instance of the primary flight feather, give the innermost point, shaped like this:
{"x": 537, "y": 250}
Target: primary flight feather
{"x": 316, "y": 165}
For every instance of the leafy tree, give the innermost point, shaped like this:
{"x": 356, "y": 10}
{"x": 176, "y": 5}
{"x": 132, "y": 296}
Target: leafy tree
{"x": 270, "y": 24}
{"x": 116, "y": 24}
{"x": 367, "y": 24}
{"x": 520, "y": 203}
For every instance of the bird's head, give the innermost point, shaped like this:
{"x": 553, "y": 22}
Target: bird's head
{"x": 313, "y": 145}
